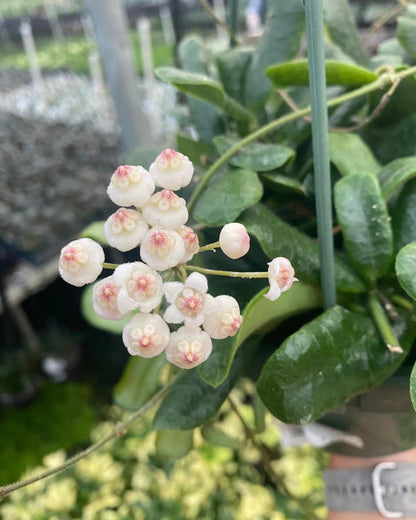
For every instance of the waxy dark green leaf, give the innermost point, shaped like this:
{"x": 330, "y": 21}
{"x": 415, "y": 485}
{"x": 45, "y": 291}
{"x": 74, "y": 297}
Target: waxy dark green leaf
{"x": 365, "y": 223}
{"x": 395, "y": 174}
{"x": 259, "y": 314}
{"x": 232, "y": 65}
{"x": 191, "y": 401}
{"x": 404, "y": 216}
{"x": 323, "y": 364}
{"x": 280, "y": 42}
{"x": 197, "y": 151}
{"x": 277, "y": 238}
{"x": 95, "y": 231}
{"x": 113, "y": 326}
{"x": 258, "y": 157}
{"x": 204, "y": 88}
{"x": 139, "y": 382}
{"x": 350, "y": 154}
{"x": 222, "y": 202}
{"x": 401, "y": 104}
{"x": 406, "y": 268}
{"x": 296, "y": 74}
{"x": 287, "y": 183}
{"x": 174, "y": 444}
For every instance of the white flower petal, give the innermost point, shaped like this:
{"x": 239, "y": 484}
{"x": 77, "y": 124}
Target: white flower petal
{"x": 197, "y": 281}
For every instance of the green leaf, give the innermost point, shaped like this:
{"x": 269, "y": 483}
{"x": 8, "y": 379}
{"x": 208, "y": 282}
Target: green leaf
{"x": 95, "y": 231}
{"x": 406, "y": 268}
{"x": 221, "y": 202}
{"x": 277, "y": 238}
{"x": 232, "y": 65}
{"x": 401, "y": 104}
{"x": 281, "y": 181}
{"x": 113, "y": 326}
{"x": 404, "y": 217}
{"x": 139, "y": 382}
{"x": 191, "y": 402}
{"x": 395, "y": 174}
{"x": 143, "y": 156}
{"x": 413, "y": 386}
{"x": 206, "y": 119}
{"x": 329, "y": 360}
{"x": 204, "y": 88}
{"x": 217, "y": 437}
{"x": 258, "y": 157}
{"x": 280, "y": 42}
{"x": 296, "y": 74}
{"x": 351, "y": 155}
{"x": 174, "y": 444}
{"x": 406, "y": 30}
{"x": 342, "y": 30}
{"x": 363, "y": 217}
{"x": 259, "y": 314}
{"x": 197, "y": 151}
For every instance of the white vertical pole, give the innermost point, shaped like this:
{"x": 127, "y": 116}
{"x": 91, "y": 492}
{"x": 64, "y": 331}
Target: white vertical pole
{"x": 167, "y": 26}
{"x": 96, "y": 73}
{"x": 29, "y": 46}
{"x": 53, "y": 20}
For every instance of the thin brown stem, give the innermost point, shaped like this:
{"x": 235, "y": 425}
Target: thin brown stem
{"x": 219, "y": 22}
{"x": 385, "y": 18}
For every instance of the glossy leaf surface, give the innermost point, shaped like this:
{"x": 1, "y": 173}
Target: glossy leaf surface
{"x": 226, "y": 198}
{"x": 95, "y": 231}
{"x": 406, "y": 269}
{"x": 174, "y": 444}
{"x": 350, "y": 154}
{"x": 404, "y": 216}
{"x": 365, "y": 224}
{"x": 395, "y": 174}
{"x": 323, "y": 364}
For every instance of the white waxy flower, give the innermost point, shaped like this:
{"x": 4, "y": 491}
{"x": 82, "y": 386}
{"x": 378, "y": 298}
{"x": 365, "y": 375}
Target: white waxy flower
{"x": 140, "y": 287}
{"x": 81, "y": 261}
{"x": 165, "y": 209}
{"x": 171, "y": 170}
{"x": 146, "y": 335}
{"x": 162, "y": 248}
{"x": 188, "y": 347}
{"x": 130, "y": 186}
{"x": 281, "y": 277}
{"x": 188, "y": 301}
{"x": 125, "y": 229}
{"x": 234, "y": 240}
{"x": 104, "y": 299}
{"x": 225, "y": 319}
{"x": 191, "y": 242}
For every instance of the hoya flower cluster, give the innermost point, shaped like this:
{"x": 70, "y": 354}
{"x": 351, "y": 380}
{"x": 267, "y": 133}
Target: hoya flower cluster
{"x": 155, "y": 222}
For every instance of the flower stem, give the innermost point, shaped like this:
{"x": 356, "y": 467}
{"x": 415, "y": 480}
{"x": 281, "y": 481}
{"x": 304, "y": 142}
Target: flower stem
{"x": 209, "y": 247}
{"x": 231, "y": 274}
{"x": 108, "y": 265}
{"x": 403, "y": 302}
{"x": 383, "y": 324}
{"x": 117, "y": 431}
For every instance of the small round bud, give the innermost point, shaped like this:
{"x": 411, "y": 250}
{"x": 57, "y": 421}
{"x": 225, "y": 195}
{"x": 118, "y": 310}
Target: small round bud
{"x": 171, "y": 170}
{"x": 146, "y": 335}
{"x": 281, "y": 277}
{"x": 191, "y": 243}
{"x": 234, "y": 240}
{"x": 81, "y": 262}
{"x": 188, "y": 347}
{"x": 165, "y": 209}
{"x": 104, "y": 299}
{"x": 130, "y": 186}
{"x": 125, "y": 229}
{"x": 162, "y": 248}
{"x": 225, "y": 319}
{"x": 141, "y": 287}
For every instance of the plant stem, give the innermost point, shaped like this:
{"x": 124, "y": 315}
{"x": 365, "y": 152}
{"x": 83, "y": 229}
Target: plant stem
{"x": 403, "y": 302}
{"x": 218, "y": 21}
{"x": 381, "y": 82}
{"x": 383, "y": 324}
{"x": 233, "y": 20}
{"x": 209, "y": 247}
{"x": 117, "y": 431}
{"x": 108, "y": 265}
{"x": 231, "y": 274}
{"x": 322, "y": 173}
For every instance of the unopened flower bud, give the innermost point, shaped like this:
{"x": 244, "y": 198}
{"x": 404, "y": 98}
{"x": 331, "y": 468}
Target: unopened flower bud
{"x": 281, "y": 277}
{"x": 188, "y": 347}
{"x": 130, "y": 186}
{"x": 125, "y": 229}
{"x": 191, "y": 243}
{"x": 225, "y": 319}
{"x": 171, "y": 170}
{"x": 165, "y": 209}
{"x": 234, "y": 240}
{"x": 146, "y": 335}
{"x": 81, "y": 262}
{"x": 141, "y": 287}
{"x": 104, "y": 299}
{"x": 162, "y": 248}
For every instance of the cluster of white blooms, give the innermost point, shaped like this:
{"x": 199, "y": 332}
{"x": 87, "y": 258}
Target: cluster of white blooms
{"x": 155, "y": 222}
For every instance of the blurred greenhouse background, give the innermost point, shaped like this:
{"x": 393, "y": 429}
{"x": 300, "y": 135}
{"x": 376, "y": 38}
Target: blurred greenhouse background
{"x": 60, "y": 141}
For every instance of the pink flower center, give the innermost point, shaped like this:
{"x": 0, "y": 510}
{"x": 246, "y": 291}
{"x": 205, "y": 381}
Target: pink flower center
{"x": 121, "y": 172}
{"x": 169, "y": 159}
{"x": 190, "y": 302}
{"x": 160, "y": 243}
{"x": 73, "y": 257}
{"x": 107, "y": 294}
{"x": 120, "y": 215}
{"x": 145, "y": 338}
{"x": 142, "y": 285}
{"x": 190, "y": 357}
{"x": 283, "y": 277}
